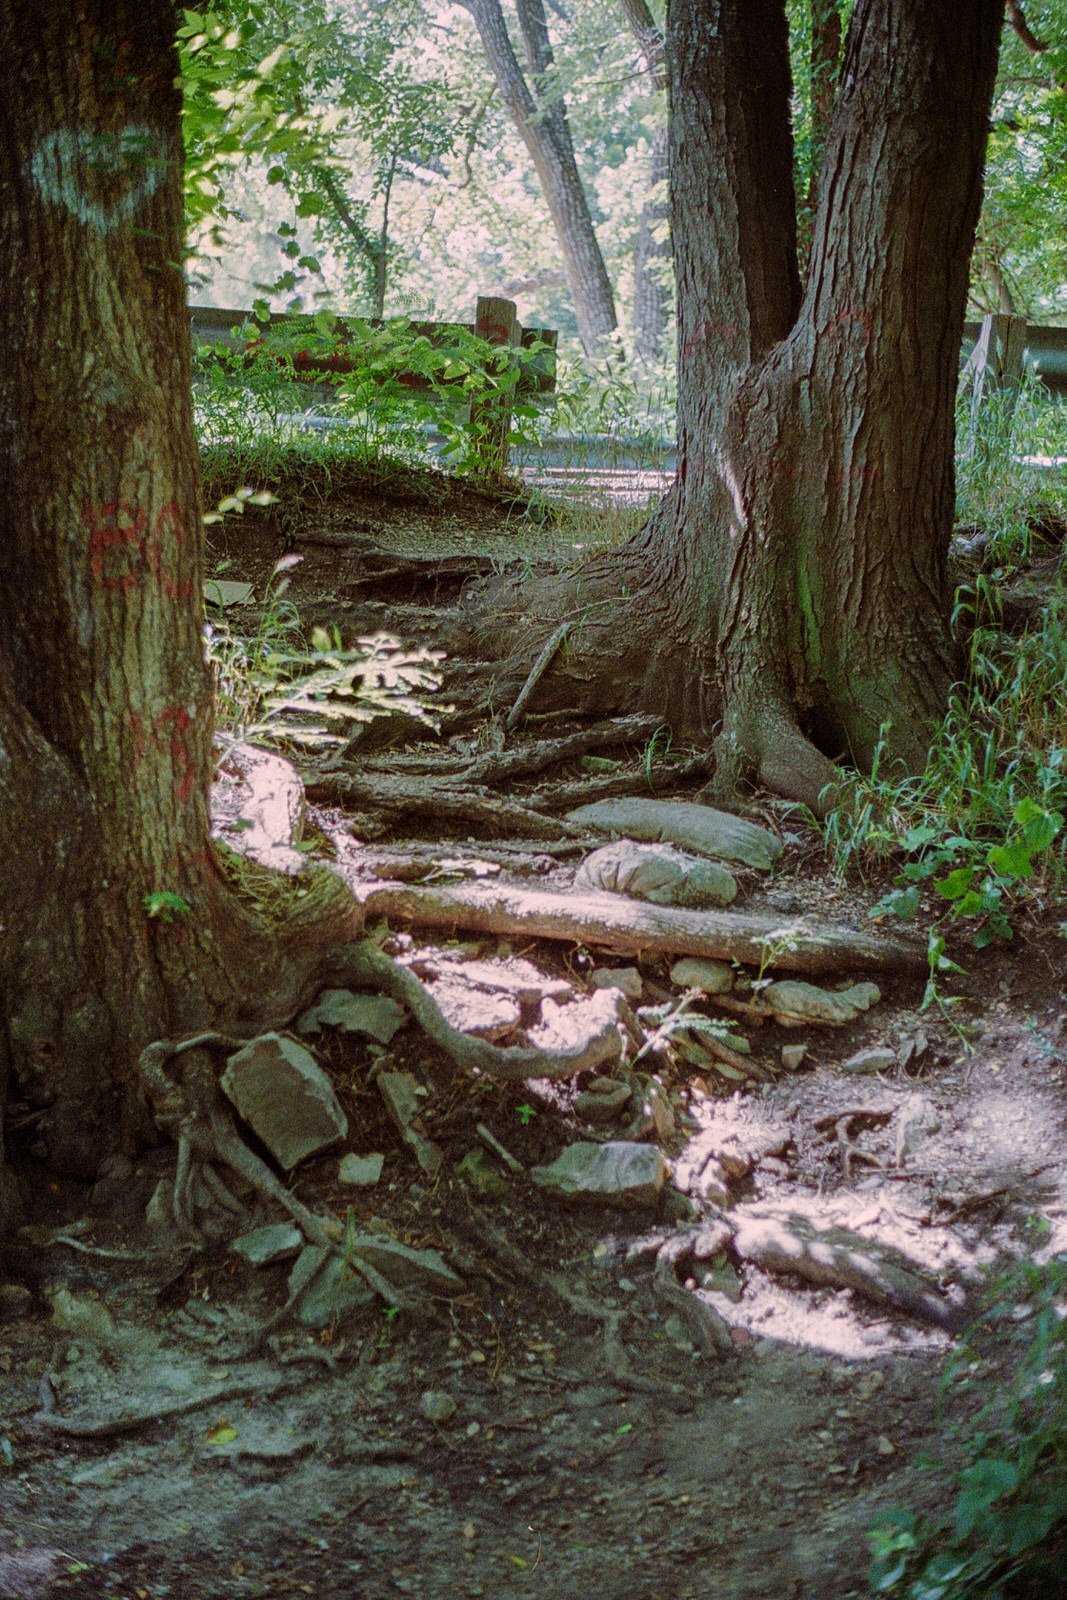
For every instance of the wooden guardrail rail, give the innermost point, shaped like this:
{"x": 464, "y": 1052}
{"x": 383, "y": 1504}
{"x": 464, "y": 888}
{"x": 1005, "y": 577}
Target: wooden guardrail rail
{"x": 531, "y": 351}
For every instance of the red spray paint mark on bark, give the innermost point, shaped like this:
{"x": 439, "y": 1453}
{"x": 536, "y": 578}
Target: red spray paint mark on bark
{"x": 167, "y": 732}
{"x": 122, "y": 552}
{"x": 117, "y": 540}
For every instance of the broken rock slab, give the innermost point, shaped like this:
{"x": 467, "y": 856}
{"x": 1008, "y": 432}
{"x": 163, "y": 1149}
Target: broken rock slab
{"x": 331, "y": 1287}
{"x": 275, "y": 1241}
{"x": 372, "y": 1014}
{"x": 618, "y": 1173}
{"x": 717, "y": 834}
{"x": 287, "y": 1100}
{"x": 405, "y": 1102}
{"x": 659, "y": 873}
{"x": 795, "y": 1003}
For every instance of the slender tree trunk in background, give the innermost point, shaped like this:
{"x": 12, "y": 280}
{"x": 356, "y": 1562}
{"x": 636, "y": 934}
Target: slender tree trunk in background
{"x": 652, "y": 297}
{"x": 791, "y": 590}
{"x": 542, "y": 125}
{"x": 105, "y": 698}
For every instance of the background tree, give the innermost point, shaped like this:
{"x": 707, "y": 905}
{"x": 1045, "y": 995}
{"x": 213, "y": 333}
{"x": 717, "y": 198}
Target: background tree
{"x": 540, "y": 115}
{"x": 652, "y": 297}
{"x": 791, "y": 590}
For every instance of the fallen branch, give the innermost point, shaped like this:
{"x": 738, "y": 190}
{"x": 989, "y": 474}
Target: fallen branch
{"x": 536, "y": 673}
{"x": 498, "y": 766}
{"x": 635, "y": 928}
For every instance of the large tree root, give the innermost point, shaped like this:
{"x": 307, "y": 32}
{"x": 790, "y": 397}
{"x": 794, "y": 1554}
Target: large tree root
{"x": 634, "y": 927}
{"x": 843, "y": 1260}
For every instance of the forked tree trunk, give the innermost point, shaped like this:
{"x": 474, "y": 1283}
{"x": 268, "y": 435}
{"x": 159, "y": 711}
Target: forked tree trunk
{"x": 791, "y": 590}
{"x": 105, "y": 698}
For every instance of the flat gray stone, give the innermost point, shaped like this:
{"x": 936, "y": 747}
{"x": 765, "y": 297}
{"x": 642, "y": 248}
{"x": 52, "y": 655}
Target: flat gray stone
{"x": 877, "y": 1059}
{"x": 793, "y": 1055}
{"x": 285, "y": 1097}
{"x": 659, "y": 873}
{"x": 699, "y": 972}
{"x": 373, "y": 1014}
{"x": 717, "y": 834}
{"x": 273, "y": 1242}
{"x": 618, "y": 1173}
{"x": 795, "y": 1003}
{"x": 626, "y": 979}
{"x": 362, "y": 1170}
{"x": 337, "y": 1288}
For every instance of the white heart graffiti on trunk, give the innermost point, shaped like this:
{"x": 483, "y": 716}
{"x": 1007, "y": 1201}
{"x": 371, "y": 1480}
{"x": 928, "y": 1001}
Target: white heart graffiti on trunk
{"x": 128, "y": 165}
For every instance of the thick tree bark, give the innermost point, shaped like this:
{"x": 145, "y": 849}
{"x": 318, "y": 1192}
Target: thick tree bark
{"x": 792, "y": 587}
{"x": 541, "y": 120}
{"x": 105, "y": 697}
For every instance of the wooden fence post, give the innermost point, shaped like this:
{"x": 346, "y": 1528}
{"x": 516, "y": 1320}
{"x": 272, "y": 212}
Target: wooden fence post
{"x": 490, "y": 412}
{"x": 997, "y": 358}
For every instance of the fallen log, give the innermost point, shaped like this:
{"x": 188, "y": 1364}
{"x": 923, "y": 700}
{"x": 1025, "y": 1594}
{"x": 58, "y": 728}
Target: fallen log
{"x": 635, "y": 928}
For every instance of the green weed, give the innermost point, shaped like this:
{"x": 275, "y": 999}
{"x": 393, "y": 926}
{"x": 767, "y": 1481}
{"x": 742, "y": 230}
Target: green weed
{"x": 1006, "y": 1535}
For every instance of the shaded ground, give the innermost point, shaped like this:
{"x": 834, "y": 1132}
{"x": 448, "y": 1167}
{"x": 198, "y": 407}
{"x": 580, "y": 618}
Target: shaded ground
{"x": 592, "y": 1450}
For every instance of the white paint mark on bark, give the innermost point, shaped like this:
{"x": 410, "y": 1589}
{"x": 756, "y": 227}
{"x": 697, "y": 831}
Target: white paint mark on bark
{"x": 102, "y": 179}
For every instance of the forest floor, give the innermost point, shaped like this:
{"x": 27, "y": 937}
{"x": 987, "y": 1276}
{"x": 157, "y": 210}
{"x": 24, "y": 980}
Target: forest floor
{"x": 558, "y": 1427}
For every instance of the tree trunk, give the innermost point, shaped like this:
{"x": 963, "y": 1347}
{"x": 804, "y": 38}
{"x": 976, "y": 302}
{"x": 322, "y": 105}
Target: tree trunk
{"x": 792, "y": 587}
{"x": 652, "y": 296}
{"x": 543, "y": 127}
{"x": 651, "y": 254}
{"x": 105, "y": 697}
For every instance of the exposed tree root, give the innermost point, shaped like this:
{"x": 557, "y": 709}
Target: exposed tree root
{"x": 394, "y": 798}
{"x": 633, "y": 927}
{"x": 843, "y": 1260}
{"x": 148, "y": 1416}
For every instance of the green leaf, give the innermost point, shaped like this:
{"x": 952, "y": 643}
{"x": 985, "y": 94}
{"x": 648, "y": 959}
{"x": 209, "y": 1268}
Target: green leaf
{"x": 956, "y": 883}
{"x": 1012, "y": 860}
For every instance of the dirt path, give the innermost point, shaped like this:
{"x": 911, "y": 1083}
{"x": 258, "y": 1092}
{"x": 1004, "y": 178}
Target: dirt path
{"x": 553, "y": 1429}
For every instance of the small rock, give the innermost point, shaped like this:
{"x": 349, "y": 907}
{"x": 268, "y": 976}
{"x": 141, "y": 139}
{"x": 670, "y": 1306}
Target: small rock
{"x": 603, "y": 1100}
{"x": 696, "y": 972}
{"x": 793, "y": 1055}
{"x": 795, "y": 1003}
{"x": 712, "y": 1184}
{"x": 437, "y": 1407}
{"x": 285, "y": 1097}
{"x": 83, "y": 1315}
{"x": 15, "y": 1301}
{"x": 626, "y": 979}
{"x": 372, "y": 1014}
{"x": 658, "y": 873}
{"x": 616, "y": 1173}
{"x": 482, "y": 1174}
{"x": 274, "y": 1242}
{"x": 721, "y": 1279}
{"x": 362, "y": 1170}
{"x": 878, "y": 1059}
